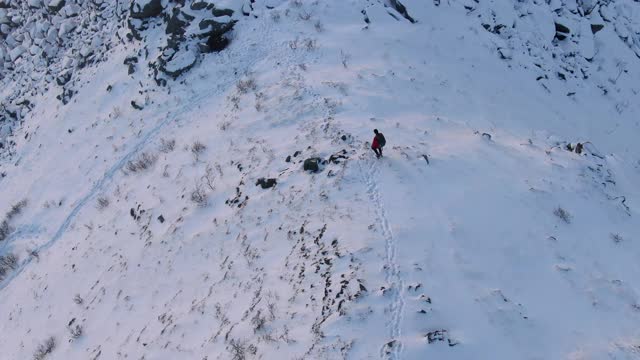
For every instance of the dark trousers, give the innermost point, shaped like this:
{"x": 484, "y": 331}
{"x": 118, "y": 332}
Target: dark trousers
{"x": 378, "y": 151}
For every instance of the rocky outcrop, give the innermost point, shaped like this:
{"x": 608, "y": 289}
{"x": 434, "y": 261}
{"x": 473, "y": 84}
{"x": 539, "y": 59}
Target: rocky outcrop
{"x": 190, "y": 29}
{"x": 142, "y": 9}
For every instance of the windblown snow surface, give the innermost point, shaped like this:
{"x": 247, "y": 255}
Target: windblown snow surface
{"x": 454, "y": 245}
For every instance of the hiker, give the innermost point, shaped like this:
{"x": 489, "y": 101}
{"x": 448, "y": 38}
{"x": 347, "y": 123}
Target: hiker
{"x": 378, "y": 143}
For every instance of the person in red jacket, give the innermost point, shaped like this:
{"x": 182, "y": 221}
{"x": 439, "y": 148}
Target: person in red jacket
{"x": 378, "y": 143}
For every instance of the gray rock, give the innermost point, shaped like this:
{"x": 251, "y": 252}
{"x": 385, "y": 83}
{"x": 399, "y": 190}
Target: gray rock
{"x": 55, "y": 5}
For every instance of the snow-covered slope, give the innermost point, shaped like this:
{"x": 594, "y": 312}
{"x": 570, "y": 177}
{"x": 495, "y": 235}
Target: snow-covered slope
{"x": 144, "y": 232}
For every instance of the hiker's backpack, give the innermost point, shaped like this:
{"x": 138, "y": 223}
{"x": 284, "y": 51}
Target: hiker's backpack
{"x": 381, "y": 140}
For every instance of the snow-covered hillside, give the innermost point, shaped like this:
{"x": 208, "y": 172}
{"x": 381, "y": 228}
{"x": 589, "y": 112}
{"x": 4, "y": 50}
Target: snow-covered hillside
{"x": 154, "y": 205}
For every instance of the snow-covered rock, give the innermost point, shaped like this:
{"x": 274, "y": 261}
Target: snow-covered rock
{"x": 36, "y": 4}
{"x": 66, "y": 27}
{"x": 56, "y": 5}
{"x": 16, "y": 52}
{"x": 71, "y": 10}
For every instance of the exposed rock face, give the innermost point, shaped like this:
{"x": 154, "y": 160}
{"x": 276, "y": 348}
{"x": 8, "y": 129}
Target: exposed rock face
{"x": 184, "y": 42}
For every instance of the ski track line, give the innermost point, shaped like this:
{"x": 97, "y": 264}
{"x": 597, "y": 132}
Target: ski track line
{"x": 106, "y": 178}
{"x": 392, "y": 270}
{"x": 109, "y": 174}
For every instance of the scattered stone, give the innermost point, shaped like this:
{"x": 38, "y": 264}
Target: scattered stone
{"x": 161, "y": 219}
{"x": 426, "y": 158}
{"x": 288, "y": 159}
{"x": 266, "y": 183}
{"x": 486, "y": 136}
{"x": 596, "y": 27}
{"x": 136, "y": 106}
{"x": 338, "y": 157}
{"x": 436, "y": 335}
{"x": 505, "y": 54}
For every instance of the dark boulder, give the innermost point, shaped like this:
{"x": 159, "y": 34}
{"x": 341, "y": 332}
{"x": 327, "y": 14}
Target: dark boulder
{"x": 199, "y": 5}
{"x": 221, "y": 12}
{"x": 149, "y": 9}
{"x": 266, "y": 183}
{"x": 136, "y": 106}
{"x": 216, "y": 43}
{"x": 561, "y": 28}
{"x": 312, "y": 164}
{"x": 214, "y": 32}
{"x": 562, "y": 32}
{"x": 596, "y": 27}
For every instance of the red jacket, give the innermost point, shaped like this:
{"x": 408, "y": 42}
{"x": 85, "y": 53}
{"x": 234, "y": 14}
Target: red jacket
{"x": 374, "y": 143}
